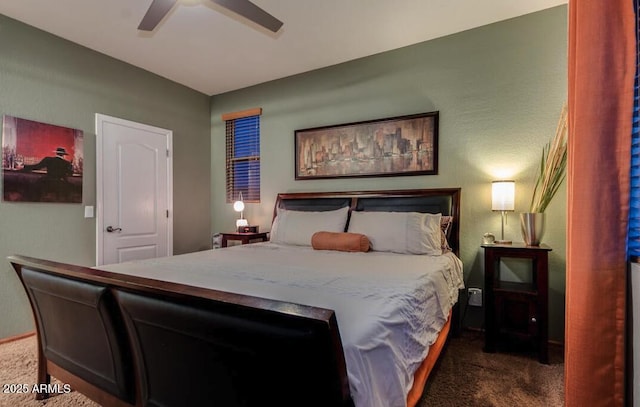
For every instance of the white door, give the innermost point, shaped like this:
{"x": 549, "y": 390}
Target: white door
{"x": 134, "y": 191}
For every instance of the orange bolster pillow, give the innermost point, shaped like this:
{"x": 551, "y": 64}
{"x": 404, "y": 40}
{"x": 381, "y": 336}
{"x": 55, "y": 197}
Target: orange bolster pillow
{"x": 344, "y": 242}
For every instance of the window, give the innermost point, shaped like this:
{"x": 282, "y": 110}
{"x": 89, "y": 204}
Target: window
{"x": 243, "y": 155}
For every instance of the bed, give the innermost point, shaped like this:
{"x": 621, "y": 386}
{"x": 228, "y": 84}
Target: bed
{"x": 386, "y": 312}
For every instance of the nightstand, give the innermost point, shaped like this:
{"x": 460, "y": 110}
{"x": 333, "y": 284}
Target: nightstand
{"x": 244, "y": 238}
{"x": 517, "y": 310}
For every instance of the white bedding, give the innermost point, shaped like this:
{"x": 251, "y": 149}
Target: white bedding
{"x": 390, "y": 307}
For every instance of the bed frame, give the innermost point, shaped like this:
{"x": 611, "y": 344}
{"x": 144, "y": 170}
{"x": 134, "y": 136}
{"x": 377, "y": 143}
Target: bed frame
{"x": 123, "y": 340}
{"x": 445, "y": 201}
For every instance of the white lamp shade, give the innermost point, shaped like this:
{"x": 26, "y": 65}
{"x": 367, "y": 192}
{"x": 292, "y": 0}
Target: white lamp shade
{"x": 238, "y": 206}
{"x": 503, "y": 195}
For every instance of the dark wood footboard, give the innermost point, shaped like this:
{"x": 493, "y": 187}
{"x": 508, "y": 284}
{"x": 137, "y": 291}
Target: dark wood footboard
{"x": 125, "y": 340}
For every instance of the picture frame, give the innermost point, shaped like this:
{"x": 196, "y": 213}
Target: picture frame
{"x": 41, "y": 162}
{"x": 394, "y": 146}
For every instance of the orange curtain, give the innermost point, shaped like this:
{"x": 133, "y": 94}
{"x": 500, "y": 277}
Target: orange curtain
{"x": 601, "y": 76}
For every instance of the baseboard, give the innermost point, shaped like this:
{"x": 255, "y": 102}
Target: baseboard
{"x": 17, "y": 337}
{"x": 555, "y": 344}
{"x": 472, "y": 329}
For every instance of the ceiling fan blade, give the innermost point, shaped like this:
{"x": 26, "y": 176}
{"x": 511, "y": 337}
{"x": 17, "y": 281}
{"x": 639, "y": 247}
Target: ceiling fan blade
{"x": 155, "y": 14}
{"x": 254, "y": 13}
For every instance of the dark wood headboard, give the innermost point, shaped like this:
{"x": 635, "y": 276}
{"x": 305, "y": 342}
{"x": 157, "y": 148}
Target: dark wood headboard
{"x": 442, "y": 200}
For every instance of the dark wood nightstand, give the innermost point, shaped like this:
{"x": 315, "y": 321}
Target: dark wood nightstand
{"x": 517, "y": 310}
{"x": 244, "y": 238}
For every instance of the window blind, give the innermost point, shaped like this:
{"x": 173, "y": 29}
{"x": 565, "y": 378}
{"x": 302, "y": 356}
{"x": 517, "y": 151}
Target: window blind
{"x": 243, "y": 155}
{"x": 633, "y": 237}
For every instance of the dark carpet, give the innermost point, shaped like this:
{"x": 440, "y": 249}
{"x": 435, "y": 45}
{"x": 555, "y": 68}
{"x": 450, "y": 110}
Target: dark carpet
{"x": 464, "y": 376}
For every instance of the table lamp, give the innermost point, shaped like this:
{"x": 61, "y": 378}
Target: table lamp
{"x": 238, "y": 206}
{"x": 503, "y": 200}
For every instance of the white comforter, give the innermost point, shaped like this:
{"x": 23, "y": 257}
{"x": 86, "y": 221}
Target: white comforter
{"x": 389, "y": 307}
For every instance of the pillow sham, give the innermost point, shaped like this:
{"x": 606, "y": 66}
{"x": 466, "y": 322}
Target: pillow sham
{"x": 344, "y": 242}
{"x": 400, "y": 232}
{"x": 445, "y": 225}
{"x": 297, "y": 227}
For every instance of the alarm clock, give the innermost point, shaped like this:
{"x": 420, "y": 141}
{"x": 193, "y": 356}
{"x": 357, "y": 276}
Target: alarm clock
{"x": 488, "y": 238}
{"x": 248, "y": 229}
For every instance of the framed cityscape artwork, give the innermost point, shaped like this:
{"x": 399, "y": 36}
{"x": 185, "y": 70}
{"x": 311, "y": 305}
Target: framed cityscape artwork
{"x": 41, "y": 162}
{"x": 396, "y": 146}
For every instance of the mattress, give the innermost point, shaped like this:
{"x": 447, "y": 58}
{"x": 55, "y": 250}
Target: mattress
{"x": 389, "y": 307}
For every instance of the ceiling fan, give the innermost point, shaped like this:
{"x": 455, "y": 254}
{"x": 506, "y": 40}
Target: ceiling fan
{"x": 160, "y": 8}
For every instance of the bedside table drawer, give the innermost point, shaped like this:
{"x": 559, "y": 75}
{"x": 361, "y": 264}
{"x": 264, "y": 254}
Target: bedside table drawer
{"x": 516, "y": 315}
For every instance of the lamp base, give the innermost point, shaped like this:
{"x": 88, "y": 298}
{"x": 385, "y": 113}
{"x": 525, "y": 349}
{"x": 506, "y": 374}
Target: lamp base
{"x": 503, "y": 242}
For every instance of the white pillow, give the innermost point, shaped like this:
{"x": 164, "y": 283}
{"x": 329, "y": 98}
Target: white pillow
{"x": 297, "y": 227}
{"x": 400, "y": 232}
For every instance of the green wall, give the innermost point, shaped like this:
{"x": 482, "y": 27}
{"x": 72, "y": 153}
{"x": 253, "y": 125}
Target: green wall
{"x": 51, "y": 80}
{"x": 499, "y": 90}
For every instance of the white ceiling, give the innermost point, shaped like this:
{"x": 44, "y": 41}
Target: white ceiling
{"x": 207, "y": 48}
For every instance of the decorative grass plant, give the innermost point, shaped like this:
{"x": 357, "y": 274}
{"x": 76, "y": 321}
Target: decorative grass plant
{"x": 552, "y": 167}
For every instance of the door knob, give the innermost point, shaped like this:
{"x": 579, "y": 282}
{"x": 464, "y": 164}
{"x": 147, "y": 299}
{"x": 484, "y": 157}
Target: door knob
{"x": 111, "y": 229}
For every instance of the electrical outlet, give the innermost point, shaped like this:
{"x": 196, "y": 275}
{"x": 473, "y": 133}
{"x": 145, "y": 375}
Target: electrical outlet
{"x": 475, "y": 297}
